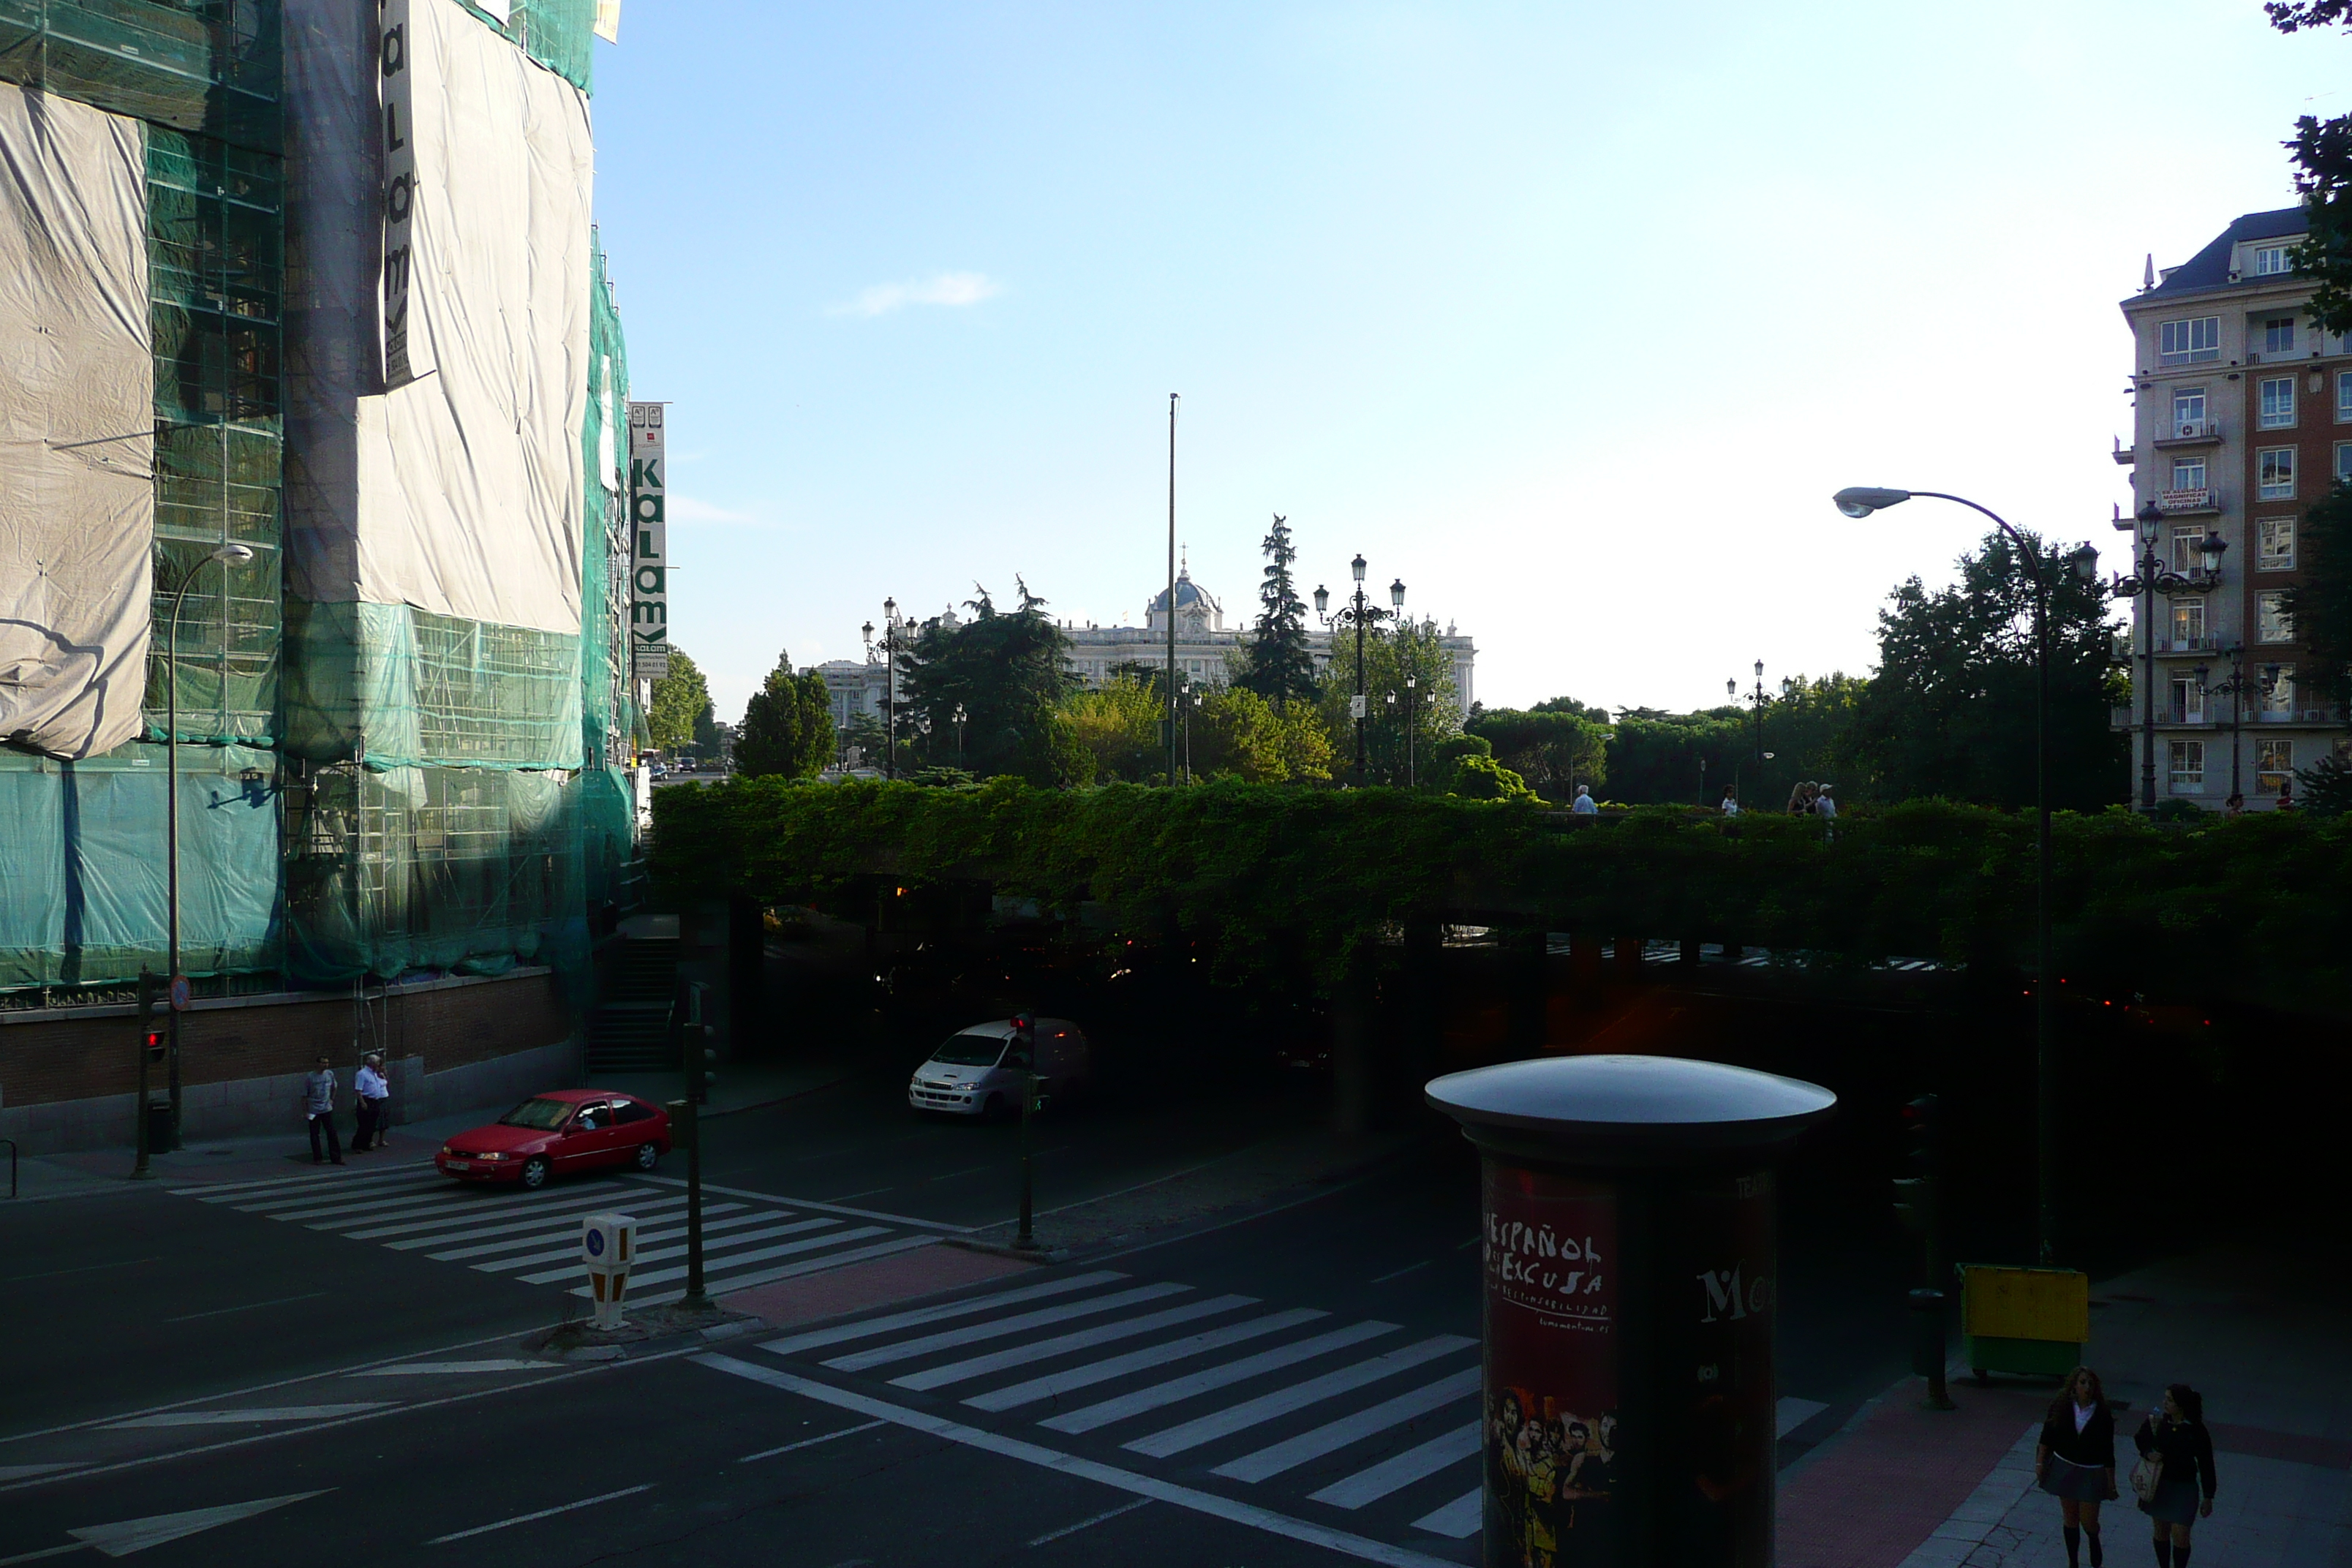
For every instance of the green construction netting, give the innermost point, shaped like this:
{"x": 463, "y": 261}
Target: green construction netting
{"x": 558, "y": 33}
{"x": 432, "y": 868}
{"x": 215, "y": 237}
{"x": 86, "y": 878}
{"x": 207, "y": 66}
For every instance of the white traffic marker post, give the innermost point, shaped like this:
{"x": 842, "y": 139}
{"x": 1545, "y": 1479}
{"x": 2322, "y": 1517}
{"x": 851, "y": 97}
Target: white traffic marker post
{"x": 607, "y": 1243}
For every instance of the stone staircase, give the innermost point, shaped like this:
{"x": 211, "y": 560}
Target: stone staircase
{"x": 630, "y": 1029}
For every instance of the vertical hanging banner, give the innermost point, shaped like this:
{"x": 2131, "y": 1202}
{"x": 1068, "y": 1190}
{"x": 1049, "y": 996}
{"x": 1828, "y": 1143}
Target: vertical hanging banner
{"x": 394, "y": 97}
{"x": 648, "y": 546}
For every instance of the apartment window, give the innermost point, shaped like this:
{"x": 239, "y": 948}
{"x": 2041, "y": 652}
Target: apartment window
{"x": 2194, "y": 340}
{"x": 2188, "y": 410}
{"x": 2278, "y": 335}
{"x": 2188, "y": 622}
{"x": 2270, "y": 260}
{"x": 2274, "y": 766}
{"x": 2189, "y": 473}
{"x": 2275, "y": 544}
{"x": 2277, "y": 402}
{"x": 2274, "y": 473}
{"x": 2188, "y": 767}
{"x": 2272, "y": 623}
{"x": 2275, "y": 686}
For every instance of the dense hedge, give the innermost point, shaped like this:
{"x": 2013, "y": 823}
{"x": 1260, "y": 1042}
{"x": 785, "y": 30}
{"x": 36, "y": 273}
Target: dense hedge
{"x": 1274, "y": 878}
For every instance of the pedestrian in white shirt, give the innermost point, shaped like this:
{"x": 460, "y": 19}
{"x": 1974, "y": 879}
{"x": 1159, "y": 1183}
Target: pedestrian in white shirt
{"x": 319, "y": 1105}
{"x": 374, "y": 1101}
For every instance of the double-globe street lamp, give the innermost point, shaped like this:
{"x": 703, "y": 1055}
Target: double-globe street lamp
{"x": 1859, "y": 501}
{"x": 1363, "y": 615}
{"x": 231, "y": 554}
{"x": 2152, "y": 575}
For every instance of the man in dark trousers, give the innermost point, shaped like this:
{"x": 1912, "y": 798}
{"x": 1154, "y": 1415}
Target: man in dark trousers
{"x": 319, "y": 1104}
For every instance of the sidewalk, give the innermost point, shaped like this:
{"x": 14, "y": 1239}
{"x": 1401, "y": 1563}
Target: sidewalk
{"x": 2266, "y": 1338}
{"x": 90, "y": 1171}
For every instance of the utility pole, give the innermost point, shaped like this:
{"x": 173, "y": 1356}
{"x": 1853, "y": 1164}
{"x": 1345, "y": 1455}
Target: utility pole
{"x": 1171, "y": 728}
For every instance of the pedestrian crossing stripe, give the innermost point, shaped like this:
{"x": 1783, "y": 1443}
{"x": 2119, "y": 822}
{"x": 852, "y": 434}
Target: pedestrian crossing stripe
{"x": 1322, "y": 1419}
{"x": 533, "y": 1237}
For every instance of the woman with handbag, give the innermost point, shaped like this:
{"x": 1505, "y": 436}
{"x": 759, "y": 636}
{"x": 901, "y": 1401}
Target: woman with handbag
{"x": 2174, "y": 1478}
{"x": 2076, "y": 1461}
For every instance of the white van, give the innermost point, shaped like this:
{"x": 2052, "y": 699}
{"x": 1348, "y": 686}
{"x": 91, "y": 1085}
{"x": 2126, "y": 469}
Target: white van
{"x": 970, "y": 1074}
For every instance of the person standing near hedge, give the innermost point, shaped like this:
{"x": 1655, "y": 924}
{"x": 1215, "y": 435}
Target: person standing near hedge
{"x": 2176, "y": 1435}
{"x": 2076, "y": 1462}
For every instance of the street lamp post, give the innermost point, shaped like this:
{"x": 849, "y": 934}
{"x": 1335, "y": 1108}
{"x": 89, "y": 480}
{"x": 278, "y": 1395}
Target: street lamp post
{"x": 1859, "y": 501}
{"x": 2153, "y": 576}
{"x": 1364, "y": 616}
{"x": 227, "y": 555}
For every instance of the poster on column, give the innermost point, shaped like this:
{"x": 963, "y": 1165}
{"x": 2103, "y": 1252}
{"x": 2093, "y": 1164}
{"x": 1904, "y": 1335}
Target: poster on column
{"x": 650, "y": 544}
{"x": 1553, "y": 1340}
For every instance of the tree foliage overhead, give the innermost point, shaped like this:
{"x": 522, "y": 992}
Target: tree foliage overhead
{"x": 1951, "y": 712}
{"x": 1009, "y": 670}
{"x": 681, "y": 716}
{"x": 787, "y": 726}
{"x": 2320, "y": 603}
{"x": 1280, "y": 665}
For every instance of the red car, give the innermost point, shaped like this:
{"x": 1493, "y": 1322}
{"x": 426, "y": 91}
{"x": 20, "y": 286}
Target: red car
{"x": 558, "y": 1132}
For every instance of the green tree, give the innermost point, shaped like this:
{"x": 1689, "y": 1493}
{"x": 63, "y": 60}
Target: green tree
{"x": 1009, "y": 672}
{"x": 1553, "y": 749}
{"x": 1951, "y": 712}
{"x": 2322, "y": 152}
{"x": 1428, "y": 712}
{"x": 1237, "y": 732}
{"x": 681, "y": 715}
{"x": 1279, "y": 663}
{"x": 2320, "y": 604}
{"x": 787, "y": 725}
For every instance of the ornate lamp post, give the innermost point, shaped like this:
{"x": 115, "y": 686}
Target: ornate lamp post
{"x": 2153, "y": 576}
{"x": 1363, "y": 616}
{"x": 227, "y": 555}
{"x": 1859, "y": 501}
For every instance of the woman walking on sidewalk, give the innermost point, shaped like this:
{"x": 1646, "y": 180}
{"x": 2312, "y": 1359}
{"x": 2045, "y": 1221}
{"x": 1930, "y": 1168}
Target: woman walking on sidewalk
{"x": 2076, "y": 1462}
{"x": 2174, "y": 1437}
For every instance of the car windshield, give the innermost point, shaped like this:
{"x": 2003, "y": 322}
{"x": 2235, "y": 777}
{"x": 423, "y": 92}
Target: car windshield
{"x": 541, "y": 1115}
{"x": 970, "y": 1050}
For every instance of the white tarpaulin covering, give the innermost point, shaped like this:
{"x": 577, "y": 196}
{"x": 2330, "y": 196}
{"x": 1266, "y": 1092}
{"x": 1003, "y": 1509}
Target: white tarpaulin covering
{"x": 77, "y": 522}
{"x": 470, "y": 478}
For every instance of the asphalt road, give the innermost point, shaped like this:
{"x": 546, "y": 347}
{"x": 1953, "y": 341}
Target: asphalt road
{"x": 274, "y": 1404}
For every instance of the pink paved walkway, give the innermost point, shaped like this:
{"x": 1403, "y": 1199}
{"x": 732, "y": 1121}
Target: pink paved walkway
{"x": 1870, "y": 1499}
{"x": 923, "y": 1271}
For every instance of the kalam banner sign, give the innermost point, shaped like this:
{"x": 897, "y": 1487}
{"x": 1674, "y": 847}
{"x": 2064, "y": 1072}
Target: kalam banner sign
{"x": 648, "y": 544}
{"x": 395, "y": 96}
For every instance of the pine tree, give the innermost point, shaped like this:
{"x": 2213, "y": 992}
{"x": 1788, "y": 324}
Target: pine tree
{"x": 1280, "y": 666}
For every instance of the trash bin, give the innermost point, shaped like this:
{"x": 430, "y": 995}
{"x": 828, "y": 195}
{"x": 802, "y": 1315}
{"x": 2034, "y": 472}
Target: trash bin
{"x": 1628, "y": 1231}
{"x": 2031, "y": 1320}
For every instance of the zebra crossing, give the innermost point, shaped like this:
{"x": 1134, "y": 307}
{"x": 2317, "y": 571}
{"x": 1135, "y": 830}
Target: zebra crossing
{"x": 1331, "y": 1421}
{"x": 533, "y": 1238}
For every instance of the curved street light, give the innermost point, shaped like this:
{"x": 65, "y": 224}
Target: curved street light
{"x": 1859, "y": 501}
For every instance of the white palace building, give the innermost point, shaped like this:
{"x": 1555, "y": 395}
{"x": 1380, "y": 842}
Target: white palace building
{"x": 1205, "y": 647}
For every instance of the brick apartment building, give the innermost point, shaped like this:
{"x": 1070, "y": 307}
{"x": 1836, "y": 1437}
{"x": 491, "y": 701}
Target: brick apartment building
{"x": 2243, "y": 419}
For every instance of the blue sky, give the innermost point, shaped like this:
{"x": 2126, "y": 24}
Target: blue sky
{"x": 1572, "y": 315}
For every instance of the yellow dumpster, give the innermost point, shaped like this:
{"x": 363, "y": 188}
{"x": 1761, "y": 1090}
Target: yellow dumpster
{"x": 2024, "y": 1320}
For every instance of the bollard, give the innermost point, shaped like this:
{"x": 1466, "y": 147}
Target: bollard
{"x": 1628, "y": 1223}
{"x": 607, "y": 1243}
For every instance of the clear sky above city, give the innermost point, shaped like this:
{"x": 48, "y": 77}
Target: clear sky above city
{"x": 1572, "y": 315}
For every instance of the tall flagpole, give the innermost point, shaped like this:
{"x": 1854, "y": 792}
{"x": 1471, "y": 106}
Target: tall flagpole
{"x": 1171, "y": 589}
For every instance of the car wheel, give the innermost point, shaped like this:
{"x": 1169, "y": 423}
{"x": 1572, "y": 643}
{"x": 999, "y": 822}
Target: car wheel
{"x": 648, "y": 1156}
{"x": 534, "y": 1172}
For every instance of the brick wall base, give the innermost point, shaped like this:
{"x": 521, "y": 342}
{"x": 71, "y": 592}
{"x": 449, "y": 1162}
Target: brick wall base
{"x": 68, "y": 1076}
